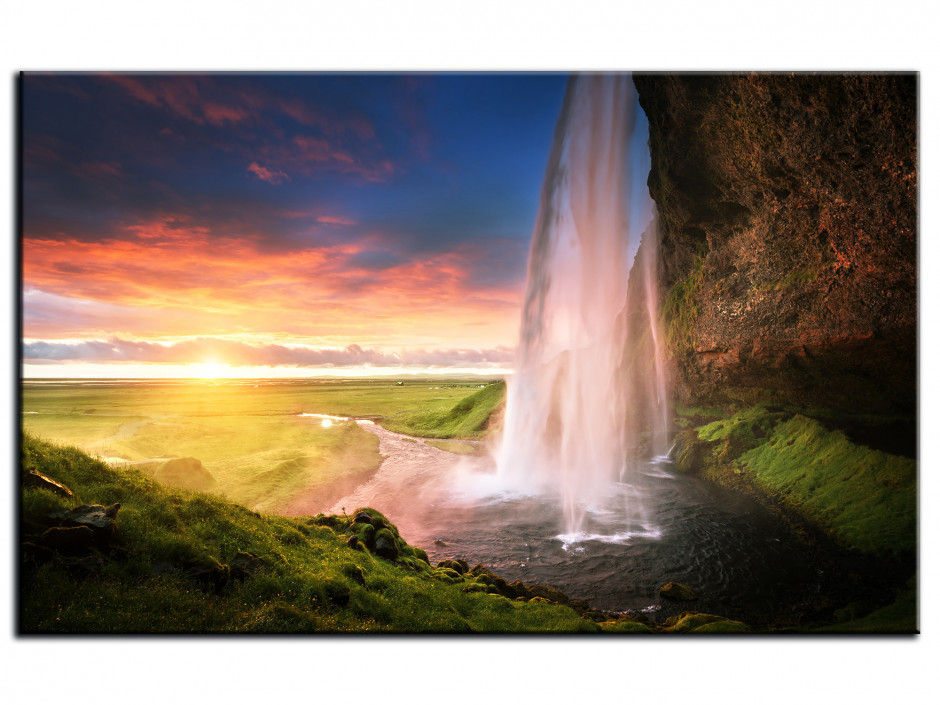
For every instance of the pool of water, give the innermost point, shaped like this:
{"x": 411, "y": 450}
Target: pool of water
{"x": 655, "y": 527}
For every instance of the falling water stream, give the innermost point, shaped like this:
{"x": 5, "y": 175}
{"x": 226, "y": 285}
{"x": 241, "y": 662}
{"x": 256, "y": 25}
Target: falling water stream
{"x": 581, "y": 493}
{"x": 587, "y": 402}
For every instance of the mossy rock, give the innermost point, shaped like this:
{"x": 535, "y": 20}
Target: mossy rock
{"x": 411, "y": 563}
{"x": 548, "y": 593}
{"x": 687, "y": 621}
{"x": 475, "y": 587}
{"x": 677, "y": 591}
{"x": 354, "y": 573}
{"x": 624, "y": 626}
{"x": 330, "y": 522}
{"x": 447, "y": 575}
{"x": 690, "y": 451}
{"x": 366, "y": 534}
{"x": 385, "y": 544}
{"x": 377, "y": 519}
{"x": 422, "y": 555}
{"x": 458, "y": 565}
{"x": 725, "y": 626}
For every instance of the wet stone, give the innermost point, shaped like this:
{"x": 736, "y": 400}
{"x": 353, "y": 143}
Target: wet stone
{"x": 677, "y": 591}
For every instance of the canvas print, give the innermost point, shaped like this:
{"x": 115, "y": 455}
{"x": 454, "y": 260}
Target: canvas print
{"x": 628, "y": 353}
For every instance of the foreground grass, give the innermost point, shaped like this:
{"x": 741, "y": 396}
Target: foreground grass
{"x": 311, "y": 581}
{"x": 469, "y": 418}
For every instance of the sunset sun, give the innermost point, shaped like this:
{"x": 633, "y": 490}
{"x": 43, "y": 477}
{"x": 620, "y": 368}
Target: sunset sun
{"x": 211, "y": 370}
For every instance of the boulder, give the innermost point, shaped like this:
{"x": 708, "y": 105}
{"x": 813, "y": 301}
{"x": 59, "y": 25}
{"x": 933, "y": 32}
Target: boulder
{"x": 677, "y": 591}
{"x": 459, "y": 566}
{"x": 385, "y": 545}
{"x": 548, "y": 593}
{"x": 100, "y": 519}
{"x": 187, "y": 473}
{"x": 521, "y": 591}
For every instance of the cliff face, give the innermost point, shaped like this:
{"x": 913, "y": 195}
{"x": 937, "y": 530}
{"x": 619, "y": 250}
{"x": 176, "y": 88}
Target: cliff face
{"x": 789, "y": 255}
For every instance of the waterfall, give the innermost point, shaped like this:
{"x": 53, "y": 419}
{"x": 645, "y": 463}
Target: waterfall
{"x": 588, "y": 396}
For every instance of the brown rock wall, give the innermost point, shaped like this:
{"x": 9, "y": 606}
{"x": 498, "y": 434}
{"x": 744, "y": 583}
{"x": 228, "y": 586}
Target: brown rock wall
{"x": 789, "y": 259}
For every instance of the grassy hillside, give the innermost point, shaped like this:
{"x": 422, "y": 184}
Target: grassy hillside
{"x": 178, "y": 562}
{"x": 468, "y": 418}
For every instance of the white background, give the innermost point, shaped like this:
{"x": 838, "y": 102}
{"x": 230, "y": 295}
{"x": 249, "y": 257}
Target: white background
{"x": 483, "y": 34}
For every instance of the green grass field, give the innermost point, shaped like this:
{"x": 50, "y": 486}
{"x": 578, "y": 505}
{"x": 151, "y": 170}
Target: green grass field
{"x": 250, "y": 435}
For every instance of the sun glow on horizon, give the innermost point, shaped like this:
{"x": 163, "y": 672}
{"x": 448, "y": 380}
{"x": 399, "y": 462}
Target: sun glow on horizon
{"x": 211, "y": 370}
{"x": 232, "y": 372}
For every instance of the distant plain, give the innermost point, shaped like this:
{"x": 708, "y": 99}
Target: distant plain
{"x": 250, "y": 435}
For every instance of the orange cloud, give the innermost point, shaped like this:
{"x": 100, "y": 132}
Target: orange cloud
{"x": 167, "y": 277}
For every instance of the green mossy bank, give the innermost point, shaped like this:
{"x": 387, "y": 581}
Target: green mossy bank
{"x": 830, "y": 487}
{"x": 471, "y": 417}
{"x": 865, "y": 499}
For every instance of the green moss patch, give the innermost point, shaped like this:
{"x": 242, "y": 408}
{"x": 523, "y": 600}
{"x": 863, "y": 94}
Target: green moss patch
{"x": 680, "y": 310}
{"x": 866, "y": 498}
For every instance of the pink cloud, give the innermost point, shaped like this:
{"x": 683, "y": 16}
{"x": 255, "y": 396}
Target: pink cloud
{"x": 335, "y": 220}
{"x": 307, "y": 155}
{"x": 182, "y": 96}
{"x": 167, "y": 132}
{"x": 217, "y": 114}
{"x": 271, "y": 176}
